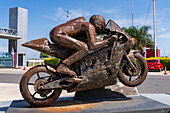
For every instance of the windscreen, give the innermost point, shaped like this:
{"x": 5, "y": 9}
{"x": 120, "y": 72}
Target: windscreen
{"x": 152, "y": 61}
{"x": 113, "y": 24}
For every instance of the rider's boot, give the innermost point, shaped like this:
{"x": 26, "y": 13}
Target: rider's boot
{"x": 62, "y": 68}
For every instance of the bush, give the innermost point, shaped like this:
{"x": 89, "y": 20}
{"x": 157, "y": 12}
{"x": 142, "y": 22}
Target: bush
{"x": 164, "y": 60}
{"x": 53, "y": 61}
{"x": 42, "y": 55}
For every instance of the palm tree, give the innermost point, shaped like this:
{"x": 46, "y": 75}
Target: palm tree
{"x": 141, "y": 36}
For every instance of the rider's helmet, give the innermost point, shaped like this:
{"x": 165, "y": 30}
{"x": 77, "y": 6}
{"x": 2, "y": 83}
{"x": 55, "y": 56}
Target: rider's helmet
{"x": 98, "y": 22}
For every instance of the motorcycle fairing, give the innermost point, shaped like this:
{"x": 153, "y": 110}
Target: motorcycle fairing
{"x": 44, "y": 46}
{"x": 104, "y": 69}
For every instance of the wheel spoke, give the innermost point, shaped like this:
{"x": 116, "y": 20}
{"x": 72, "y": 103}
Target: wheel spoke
{"x": 45, "y": 77}
{"x": 34, "y": 94}
{"x": 30, "y": 83}
{"x": 38, "y": 75}
{"x": 130, "y": 78}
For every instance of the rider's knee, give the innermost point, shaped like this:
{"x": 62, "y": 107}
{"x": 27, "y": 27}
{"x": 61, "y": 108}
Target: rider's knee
{"x": 83, "y": 47}
{"x": 56, "y": 38}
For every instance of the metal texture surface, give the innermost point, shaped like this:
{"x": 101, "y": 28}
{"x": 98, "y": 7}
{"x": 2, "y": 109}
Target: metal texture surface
{"x": 68, "y": 35}
{"x": 134, "y": 78}
{"x": 96, "y": 64}
{"x": 43, "y": 45}
{"x": 36, "y": 77}
{"x": 101, "y": 68}
{"x": 79, "y": 35}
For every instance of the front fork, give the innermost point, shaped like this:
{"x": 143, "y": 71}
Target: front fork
{"x": 131, "y": 64}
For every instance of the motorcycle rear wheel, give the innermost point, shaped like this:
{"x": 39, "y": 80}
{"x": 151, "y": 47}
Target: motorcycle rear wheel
{"x": 29, "y": 83}
{"x": 130, "y": 80}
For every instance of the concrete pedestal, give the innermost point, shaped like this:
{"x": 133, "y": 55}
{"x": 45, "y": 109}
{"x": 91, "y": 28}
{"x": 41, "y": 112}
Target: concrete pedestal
{"x": 114, "y": 91}
{"x": 96, "y": 94}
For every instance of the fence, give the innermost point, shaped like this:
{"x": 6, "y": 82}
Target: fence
{"x": 8, "y": 31}
{"x": 6, "y": 59}
{"x": 31, "y": 63}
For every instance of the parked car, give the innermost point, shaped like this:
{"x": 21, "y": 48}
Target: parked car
{"x": 154, "y": 64}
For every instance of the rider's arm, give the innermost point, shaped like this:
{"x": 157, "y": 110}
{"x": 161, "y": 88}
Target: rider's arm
{"x": 90, "y": 31}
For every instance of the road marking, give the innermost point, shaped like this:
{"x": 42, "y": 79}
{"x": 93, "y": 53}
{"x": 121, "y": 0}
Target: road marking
{"x": 9, "y": 92}
{"x": 4, "y": 105}
{"x": 162, "y": 98}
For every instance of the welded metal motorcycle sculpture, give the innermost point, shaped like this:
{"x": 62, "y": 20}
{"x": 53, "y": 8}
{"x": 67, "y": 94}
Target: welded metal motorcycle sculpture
{"x": 41, "y": 85}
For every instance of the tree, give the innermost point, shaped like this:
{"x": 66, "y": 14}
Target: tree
{"x": 141, "y": 36}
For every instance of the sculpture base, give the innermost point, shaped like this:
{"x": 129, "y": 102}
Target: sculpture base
{"x": 114, "y": 91}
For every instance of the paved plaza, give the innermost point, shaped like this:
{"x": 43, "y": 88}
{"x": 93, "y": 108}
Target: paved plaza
{"x": 12, "y": 101}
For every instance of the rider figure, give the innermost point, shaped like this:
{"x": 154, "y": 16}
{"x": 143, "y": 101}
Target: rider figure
{"x": 68, "y": 35}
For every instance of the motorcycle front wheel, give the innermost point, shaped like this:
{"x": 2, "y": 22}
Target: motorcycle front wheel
{"x": 29, "y": 83}
{"x": 133, "y": 78}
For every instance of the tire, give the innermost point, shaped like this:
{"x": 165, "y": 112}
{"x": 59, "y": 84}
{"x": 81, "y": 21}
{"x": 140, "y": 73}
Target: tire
{"x": 142, "y": 64}
{"x": 25, "y": 86}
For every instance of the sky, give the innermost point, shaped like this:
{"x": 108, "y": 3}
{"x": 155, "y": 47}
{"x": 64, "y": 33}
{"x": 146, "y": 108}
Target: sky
{"x": 43, "y": 15}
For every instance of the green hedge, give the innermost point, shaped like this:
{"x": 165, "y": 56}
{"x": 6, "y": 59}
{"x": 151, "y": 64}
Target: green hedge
{"x": 53, "y": 61}
{"x": 164, "y": 60}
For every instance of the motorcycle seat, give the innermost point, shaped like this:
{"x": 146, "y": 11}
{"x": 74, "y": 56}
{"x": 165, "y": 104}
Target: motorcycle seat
{"x": 89, "y": 52}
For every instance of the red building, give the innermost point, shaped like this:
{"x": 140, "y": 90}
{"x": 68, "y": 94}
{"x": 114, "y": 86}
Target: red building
{"x": 151, "y": 53}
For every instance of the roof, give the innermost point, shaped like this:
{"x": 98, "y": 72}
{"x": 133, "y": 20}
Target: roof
{"x": 11, "y": 37}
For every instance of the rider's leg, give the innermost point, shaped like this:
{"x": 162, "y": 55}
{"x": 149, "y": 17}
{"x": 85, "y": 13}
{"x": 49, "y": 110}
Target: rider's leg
{"x": 66, "y": 41}
{"x": 82, "y": 50}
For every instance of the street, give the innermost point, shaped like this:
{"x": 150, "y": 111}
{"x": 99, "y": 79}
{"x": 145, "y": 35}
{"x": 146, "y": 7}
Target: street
{"x": 154, "y": 91}
{"x": 11, "y": 75}
{"x": 10, "y": 78}
{"x": 156, "y": 82}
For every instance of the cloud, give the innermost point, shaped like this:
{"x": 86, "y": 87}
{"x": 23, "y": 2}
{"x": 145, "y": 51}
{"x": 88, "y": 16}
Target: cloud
{"x": 140, "y": 21}
{"x": 110, "y": 11}
{"x": 115, "y": 14}
{"x": 3, "y": 49}
{"x": 165, "y": 35}
{"x": 78, "y": 13}
{"x": 61, "y": 14}
{"x": 163, "y": 22}
{"x": 164, "y": 11}
{"x": 123, "y": 22}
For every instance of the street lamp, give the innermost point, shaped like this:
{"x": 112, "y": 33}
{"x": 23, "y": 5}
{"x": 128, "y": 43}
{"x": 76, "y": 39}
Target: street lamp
{"x": 154, "y": 23}
{"x": 67, "y": 15}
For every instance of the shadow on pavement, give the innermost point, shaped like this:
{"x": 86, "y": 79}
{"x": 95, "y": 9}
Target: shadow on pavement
{"x": 64, "y": 104}
{"x": 3, "y": 109}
